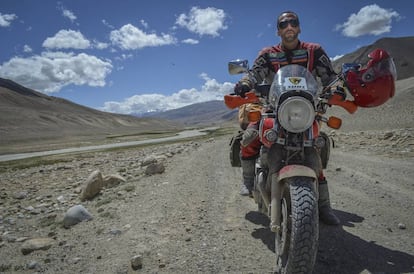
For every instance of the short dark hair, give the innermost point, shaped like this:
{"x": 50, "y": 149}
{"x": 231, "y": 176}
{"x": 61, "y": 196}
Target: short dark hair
{"x": 285, "y": 13}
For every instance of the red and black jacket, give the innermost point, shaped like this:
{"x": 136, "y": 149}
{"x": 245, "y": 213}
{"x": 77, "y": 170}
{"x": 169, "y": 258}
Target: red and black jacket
{"x": 310, "y": 55}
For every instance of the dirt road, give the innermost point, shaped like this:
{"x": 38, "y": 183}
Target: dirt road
{"x": 190, "y": 219}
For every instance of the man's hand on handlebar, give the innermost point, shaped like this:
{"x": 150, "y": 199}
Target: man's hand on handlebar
{"x": 241, "y": 89}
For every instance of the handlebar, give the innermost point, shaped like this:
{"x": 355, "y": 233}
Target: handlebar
{"x": 233, "y": 101}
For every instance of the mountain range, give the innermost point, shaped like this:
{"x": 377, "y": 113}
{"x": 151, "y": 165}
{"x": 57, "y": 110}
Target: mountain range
{"x": 27, "y": 115}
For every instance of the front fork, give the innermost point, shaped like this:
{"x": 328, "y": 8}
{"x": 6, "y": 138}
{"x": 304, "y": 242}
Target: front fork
{"x": 278, "y": 182}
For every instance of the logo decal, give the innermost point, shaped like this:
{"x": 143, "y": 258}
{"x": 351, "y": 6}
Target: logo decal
{"x": 295, "y": 83}
{"x": 295, "y": 80}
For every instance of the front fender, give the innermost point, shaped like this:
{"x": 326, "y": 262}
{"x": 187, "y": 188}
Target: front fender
{"x": 295, "y": 171}
{"x": 276, "y": 190}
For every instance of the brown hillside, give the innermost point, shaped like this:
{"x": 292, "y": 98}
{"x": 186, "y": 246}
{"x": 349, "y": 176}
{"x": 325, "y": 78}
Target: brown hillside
{"x": 26, "y": 115}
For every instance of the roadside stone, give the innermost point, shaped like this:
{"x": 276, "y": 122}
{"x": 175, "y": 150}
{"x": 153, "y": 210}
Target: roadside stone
{"x": 36, "y": 244}
{"x": 161, "y": 158}
{"x": 61, "y": 199}
{"x": 136, "y": 262}
{"x": 10, "y": 221}
{"x": 77, "y": 190}
{"x": 92, "y": 186}
{"x": 76, "y": 260}
{"x": 22, "y": 239}
{"x": 162, "y": 261}
{"x": 149, "y": 160}
{"x": 20, "y": 195}
{"x": 32, "y": 210}
{"x": 8, "y": 237}
{"x": 388, "y": 135}
{"x": 155, "y": 168}
{"x": 75, "y": 215}
{"x": 112, "y": 180}
{"x": 401, "y": 226}
{"x": 33, "y": 265}
{"x": 115, "y": 232}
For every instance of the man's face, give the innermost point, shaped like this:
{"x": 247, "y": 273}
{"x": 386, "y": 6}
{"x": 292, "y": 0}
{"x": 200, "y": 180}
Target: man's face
{"x": 287, "y": 29}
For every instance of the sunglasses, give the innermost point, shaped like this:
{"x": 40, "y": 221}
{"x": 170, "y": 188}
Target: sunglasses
{"x": 283, "y": 24}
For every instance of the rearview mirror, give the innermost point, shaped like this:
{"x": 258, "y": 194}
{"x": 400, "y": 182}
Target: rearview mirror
{"x": 238, "y": 66}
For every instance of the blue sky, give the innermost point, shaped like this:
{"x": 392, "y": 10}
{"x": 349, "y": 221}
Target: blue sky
{"x": 134, "y": 56}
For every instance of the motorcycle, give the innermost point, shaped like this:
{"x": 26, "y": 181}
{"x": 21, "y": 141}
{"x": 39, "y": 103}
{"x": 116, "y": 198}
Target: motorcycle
{"x": 289, "y": 127}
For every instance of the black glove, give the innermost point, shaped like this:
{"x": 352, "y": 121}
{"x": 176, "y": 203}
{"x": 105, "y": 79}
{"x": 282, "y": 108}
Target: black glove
{"x": 340, "y": 91}
{"x": 241, "y": 89}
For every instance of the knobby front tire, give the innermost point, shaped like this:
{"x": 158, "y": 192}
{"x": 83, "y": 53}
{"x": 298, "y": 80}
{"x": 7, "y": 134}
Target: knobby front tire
{"x": 297, "y": 242}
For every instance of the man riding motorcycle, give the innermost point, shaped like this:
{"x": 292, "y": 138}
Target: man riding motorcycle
{"x": 290, "y": 51}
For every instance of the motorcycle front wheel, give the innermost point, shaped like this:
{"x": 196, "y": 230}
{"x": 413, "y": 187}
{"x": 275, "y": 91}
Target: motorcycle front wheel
{"x": 296, "y": 244}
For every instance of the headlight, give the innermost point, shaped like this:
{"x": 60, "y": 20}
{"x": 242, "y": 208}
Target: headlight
{"x": 296, "y": 114}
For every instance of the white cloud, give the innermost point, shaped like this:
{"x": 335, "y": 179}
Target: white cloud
{"x": 69, "y": 14}
{"x": 370, "y": 19}
{"x": 190, "y": 41}
{"x": 27, "y": 49}
{"x": 51, "y": 71}
{"x": 124, "y": 56}
{"x": 138, "y": 104}
{"x": 129, "y": 37}
{"x": 107, "y": 24}
{"x": 336, "y": 57}
{"x": 100, "y": 45}
{"x": 6, "y": 19}
{"x": 208, "y": 21}
{"x": 66, "y": 39}
{"x": 143, "y": 23}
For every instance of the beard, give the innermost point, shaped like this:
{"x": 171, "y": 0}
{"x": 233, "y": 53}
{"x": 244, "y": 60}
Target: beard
{"x": 290, "y": 36}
